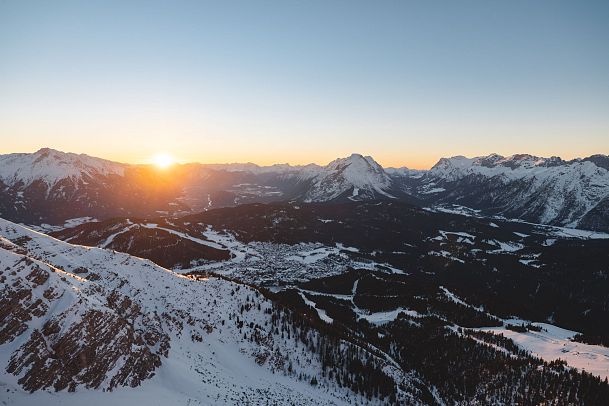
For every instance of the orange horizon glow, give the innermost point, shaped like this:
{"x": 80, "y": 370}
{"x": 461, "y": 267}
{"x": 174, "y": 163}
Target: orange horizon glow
{"x": 162, "y": 160}
{"x": 165, "y": 160}
{"x": 209, "y": 82}
{"x": 169, "y": 156}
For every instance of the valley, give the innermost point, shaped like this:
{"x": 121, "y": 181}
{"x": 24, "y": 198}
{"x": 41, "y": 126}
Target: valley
{"x": 371, "y": 297}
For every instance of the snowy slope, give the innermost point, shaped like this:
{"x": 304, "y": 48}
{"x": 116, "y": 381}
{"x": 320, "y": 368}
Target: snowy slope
{"x": 51, "y": 166}
{"x": 88, "y": 319}
{"x": 355, "y": 177}
{"x": 51, "y": 187}
{"x": 360, "y": 176}
{"x": 554, "y": 343}
{"x": 544, "y": 190}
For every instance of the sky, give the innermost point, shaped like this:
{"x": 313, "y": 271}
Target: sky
{"x": 305, "y": 81}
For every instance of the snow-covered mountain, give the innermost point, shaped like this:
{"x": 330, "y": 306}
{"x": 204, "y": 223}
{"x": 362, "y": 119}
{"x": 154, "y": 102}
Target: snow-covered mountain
{"x": 51, "y": 186}
{"x": 51, "y": 166}
{"x": 87, "y": 320}
{"x": 337, "y": 324}
{"x": 543, "y": 190}
{"x": 399, "y": 278}
{"x": 355, "y": 177}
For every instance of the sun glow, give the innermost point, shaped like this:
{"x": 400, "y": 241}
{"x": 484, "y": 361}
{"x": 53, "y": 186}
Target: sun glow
{"x": 163, "y": 160}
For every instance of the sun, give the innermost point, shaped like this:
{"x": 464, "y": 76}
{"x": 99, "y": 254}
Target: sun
{"x": 163, "y": 160}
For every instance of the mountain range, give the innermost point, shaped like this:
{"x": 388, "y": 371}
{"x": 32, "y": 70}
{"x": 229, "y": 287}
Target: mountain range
{"x": 479, "y": 281}
{"x": 50, "y": 186}
{"x": 367, "y": 303}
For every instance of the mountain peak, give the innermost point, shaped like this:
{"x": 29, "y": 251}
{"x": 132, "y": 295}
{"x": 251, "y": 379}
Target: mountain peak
{"x": 361, "y": 175}
{"x": 51, "y": 166}
{"x": 495, "y": 160}
{"x": 44, "y": 150}
{"x": 602, "y": 161}
{"x": 358, "y": 160}
{"x": 47, "y": 150}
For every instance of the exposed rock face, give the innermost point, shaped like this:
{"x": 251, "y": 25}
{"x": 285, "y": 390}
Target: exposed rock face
{"x": 541, "y": 190}
{"x": 85, "y": 353}
{"x": 51, "y": 186}
{"x": 105, "y": 346}
{"x": 74, "y": 318}
{"x": 356, "y": 178}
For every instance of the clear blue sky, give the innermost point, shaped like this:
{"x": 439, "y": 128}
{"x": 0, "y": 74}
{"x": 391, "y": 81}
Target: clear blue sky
{"x": 301, "y": 81}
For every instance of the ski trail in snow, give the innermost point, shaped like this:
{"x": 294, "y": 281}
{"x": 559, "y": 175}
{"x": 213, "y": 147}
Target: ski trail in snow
{"x": 111, "y": 238}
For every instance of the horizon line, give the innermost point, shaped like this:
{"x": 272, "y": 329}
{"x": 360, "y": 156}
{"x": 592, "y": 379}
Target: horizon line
{"x": 149, "y": 161}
